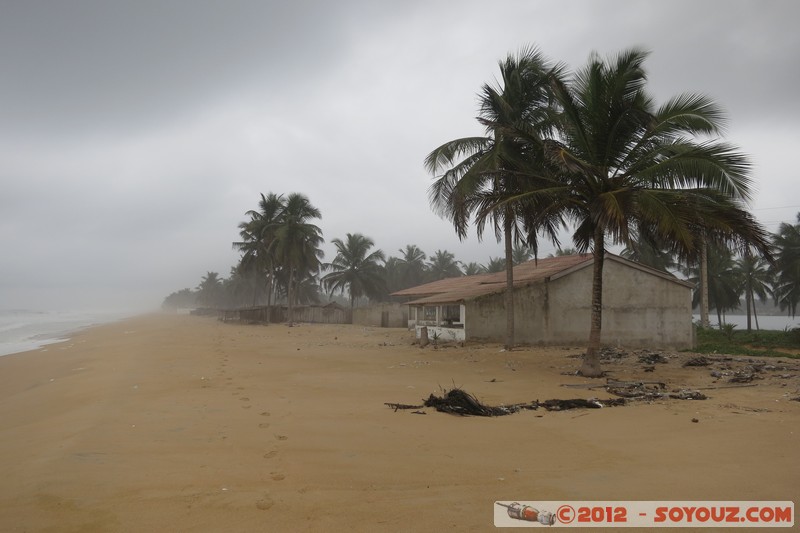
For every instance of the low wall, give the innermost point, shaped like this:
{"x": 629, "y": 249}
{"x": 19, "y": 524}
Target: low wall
{"x": 388, "y": 315}
{"x": 304, "y": 313}
{"x": 442, "y": 334}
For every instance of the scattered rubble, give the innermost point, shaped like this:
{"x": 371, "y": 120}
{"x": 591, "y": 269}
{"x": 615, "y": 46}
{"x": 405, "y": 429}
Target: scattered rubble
{"x": 687, "y": 394}
{"x": 652, "y": 358}
{"x": 697, "y": 361}
{"x": 727, "y": 372}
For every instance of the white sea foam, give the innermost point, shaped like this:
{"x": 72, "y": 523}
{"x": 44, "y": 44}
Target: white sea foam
{"x": 23, "y": 330}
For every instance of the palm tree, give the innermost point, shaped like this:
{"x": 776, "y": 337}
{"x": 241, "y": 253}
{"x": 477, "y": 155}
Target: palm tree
{"x": 624, "y": 164}
{"x": 561, "y": 252}
{"x": 787, "y": 266}
{"x": 356, "y": 269}
{"x": 392, "y": 275}
{"x": 476, "y": 176}
{"x": 644, "y": 249}
{"x": 412, "y": 266}
{"x": 242, "y": 286}
{"x": 306, "y": 287}
{"x": 473, "y": 269}
{"x": 520, "y": 254}
{"x": 258, "y": 242}
{"x": 495, "y": 264}
{"x": 755, "y": 275}
{"x": 724, "y": 283}
{"x": 210, "y": 289}
{"x": 443, "y": 265}
{"x": 296, "y": 244}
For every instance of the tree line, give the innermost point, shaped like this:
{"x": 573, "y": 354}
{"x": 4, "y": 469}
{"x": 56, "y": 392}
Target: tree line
{"x": 587, "y": 151}
{"x": 367, "y": 275}
{"x": 358, "y": 273}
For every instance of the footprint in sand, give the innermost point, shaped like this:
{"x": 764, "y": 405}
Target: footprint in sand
{"x": 265, "y": 413}
{"x": 277, "y": 476}
{"x": 246, "y": 406}
{"x": 244, "y": 399}
{"x": 263, "y": 425}
{"x": 265, "y": 503}
{"x": 270, "y": 455}
{"x": 281, "y": 437}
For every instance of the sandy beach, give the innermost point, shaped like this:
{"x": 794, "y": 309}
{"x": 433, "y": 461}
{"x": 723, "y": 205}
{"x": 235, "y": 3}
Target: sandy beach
{"x": 180, "y": 423}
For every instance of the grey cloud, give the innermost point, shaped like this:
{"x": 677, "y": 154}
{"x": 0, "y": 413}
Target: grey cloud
{"x": 95, "y": 66}
{"x": 135, "y": 135}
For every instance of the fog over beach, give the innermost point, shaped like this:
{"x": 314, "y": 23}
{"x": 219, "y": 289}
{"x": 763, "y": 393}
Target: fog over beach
{"x": 135, "y": 135}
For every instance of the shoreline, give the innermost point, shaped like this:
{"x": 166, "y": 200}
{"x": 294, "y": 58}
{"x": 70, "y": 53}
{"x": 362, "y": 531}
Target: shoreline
{"x": 174, "y": 422}
{"x": 45, "y": 329}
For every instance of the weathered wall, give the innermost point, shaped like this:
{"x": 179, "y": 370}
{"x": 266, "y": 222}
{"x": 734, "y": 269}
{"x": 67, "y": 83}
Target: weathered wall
{"x": 387, "y": 315}
{"x": 311, "y": 314}
{"x": 639, "y": 310}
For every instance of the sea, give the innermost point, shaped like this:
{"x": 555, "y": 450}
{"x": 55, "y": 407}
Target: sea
{"x": 23, "y": 330}
{"x": 765, "y": 322}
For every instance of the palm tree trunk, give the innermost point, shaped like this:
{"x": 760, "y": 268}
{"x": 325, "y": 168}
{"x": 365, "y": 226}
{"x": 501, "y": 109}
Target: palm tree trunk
{"x": 755, "y": 313}
{"x": 748, "y": 298}
{"x": 509, "y": 296}
{"x": 270, "y": 290}
{"x": 591, "y": 361}
{"x": 704, "y": 283}
{"x": 290, "y": 297}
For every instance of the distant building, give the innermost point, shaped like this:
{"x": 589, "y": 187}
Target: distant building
{"x": 642, "y": 307}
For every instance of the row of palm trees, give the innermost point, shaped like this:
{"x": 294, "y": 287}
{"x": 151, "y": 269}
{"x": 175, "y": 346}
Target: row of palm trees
{"x": 730, "y": 276}
{"x": 361, "y": 272}
{"x": 591, "y": 152}
{"x": 281, "y": 240}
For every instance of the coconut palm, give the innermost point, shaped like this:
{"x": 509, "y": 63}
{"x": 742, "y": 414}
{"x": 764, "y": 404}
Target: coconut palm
{"x": 643, "y": 248}
{"x": 787, "y": 266}
{"x": 561, "y": 252}
{"x": 625, "y": 163}
{"x": 475, "y": 177}
{"x": 355, "y": 269}
{"x": 443, "y": 265}
{"x": 756, "y": 278}
{"x": 520, "y": 254}
{"x": 412, "y": 266}
{"x": 495, "y": 264}
{"x": 473, "y": 269}
{"x": 209, "y": 292}
{"x": 258, "y": 242}
{"x": 724, "y": 283}
{"x": 296, "y": 244}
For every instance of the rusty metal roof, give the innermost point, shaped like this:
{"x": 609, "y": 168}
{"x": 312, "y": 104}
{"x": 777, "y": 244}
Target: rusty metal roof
{"x": 468, "y": 287}
{"x": 452, "y": 290}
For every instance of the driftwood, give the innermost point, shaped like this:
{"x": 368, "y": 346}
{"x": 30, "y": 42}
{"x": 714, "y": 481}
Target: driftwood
{"x": 578, "y": 403}
{"x": 397, "y": 406}
{"x": 459, "y": 402}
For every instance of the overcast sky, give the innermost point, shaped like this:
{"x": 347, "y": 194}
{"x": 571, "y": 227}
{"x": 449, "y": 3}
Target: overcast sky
{"x": 134, "y": 135}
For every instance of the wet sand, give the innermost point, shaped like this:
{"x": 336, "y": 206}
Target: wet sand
{"x": 179, "y": 423}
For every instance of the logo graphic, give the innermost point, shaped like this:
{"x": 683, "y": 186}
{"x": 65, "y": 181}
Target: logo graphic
{"x": 527, "y": 513}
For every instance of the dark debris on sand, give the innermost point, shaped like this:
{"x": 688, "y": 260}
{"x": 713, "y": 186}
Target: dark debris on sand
{"x": 459, "y": 402}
